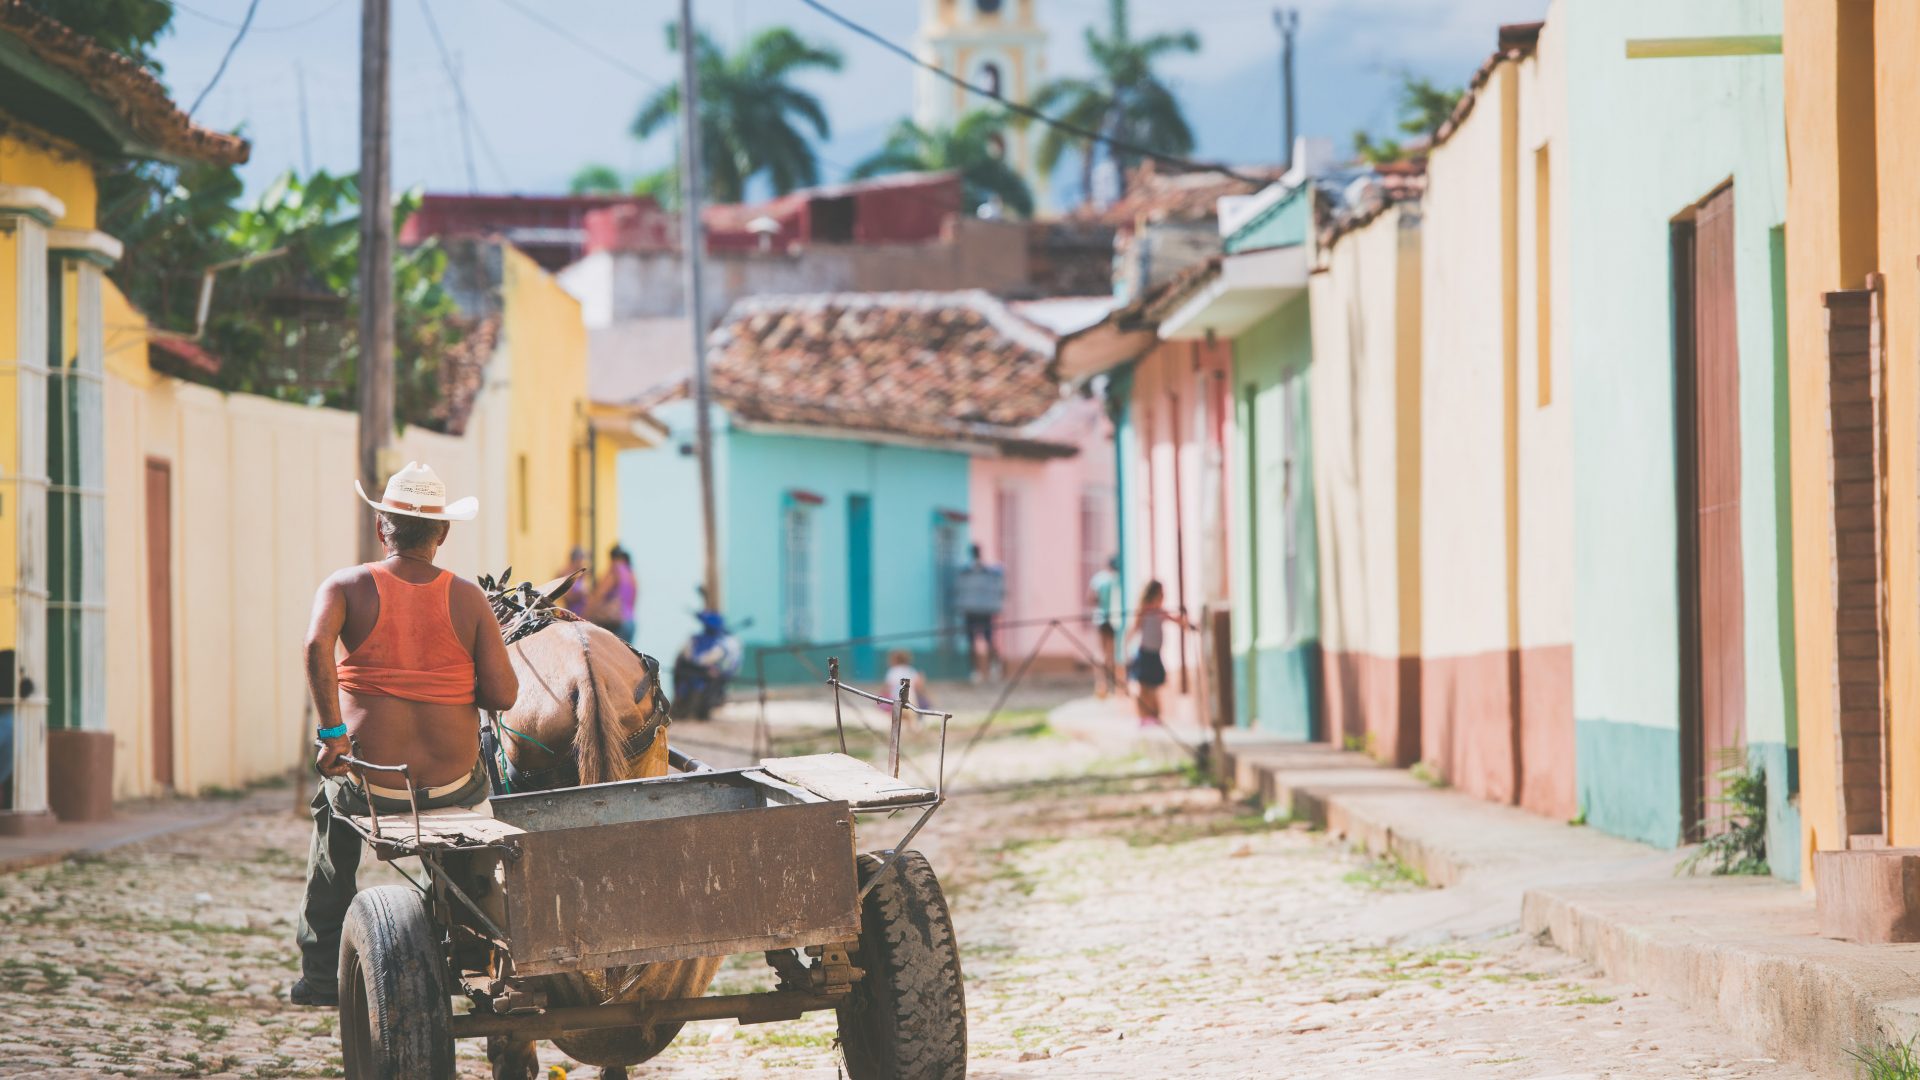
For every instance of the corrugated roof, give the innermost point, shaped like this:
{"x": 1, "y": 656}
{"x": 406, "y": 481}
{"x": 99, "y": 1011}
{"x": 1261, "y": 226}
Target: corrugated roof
{"x": 134, "y": 96}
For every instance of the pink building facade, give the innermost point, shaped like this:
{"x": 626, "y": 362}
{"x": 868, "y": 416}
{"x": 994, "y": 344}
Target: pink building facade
{"x": 1050, "y": 523}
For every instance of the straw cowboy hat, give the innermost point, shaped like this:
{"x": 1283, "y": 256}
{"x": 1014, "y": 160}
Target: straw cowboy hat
{"x": 417, "y": 491}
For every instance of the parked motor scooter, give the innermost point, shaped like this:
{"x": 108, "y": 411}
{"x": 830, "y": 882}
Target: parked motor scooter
{"x": 706, "y": 664}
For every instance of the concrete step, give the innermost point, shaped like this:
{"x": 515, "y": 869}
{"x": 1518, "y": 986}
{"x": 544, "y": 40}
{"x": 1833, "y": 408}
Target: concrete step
{"x": 1743, "y": 952}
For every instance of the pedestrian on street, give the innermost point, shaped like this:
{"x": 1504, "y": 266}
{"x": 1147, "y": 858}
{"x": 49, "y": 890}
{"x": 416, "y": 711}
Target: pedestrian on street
{"x": 1148, "y": 670}
{"x": 580, "y": 593}
{"x": 616, "y": 595}
{"x": 1104, "y": 594}
{"x": 422, "y": 654}
{"x": 900, "y": 666}
{"x": 979, "y": 592}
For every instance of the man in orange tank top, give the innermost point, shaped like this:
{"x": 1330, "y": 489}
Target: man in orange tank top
{"x": 400, "y": 656}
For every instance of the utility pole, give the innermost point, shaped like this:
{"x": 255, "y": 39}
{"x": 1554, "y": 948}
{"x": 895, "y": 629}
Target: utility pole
{"x": 376, "y": 257}
{"x": 1287, "y": 21}
{"x": 306, "y": 141}
{"x": 692, "y": 253}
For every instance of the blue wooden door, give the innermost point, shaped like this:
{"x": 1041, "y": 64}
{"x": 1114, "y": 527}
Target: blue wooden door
{"x": 860, "y": 582}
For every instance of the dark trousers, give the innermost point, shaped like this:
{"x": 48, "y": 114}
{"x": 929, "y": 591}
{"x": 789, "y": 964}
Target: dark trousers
{"x": 333, "y": 862}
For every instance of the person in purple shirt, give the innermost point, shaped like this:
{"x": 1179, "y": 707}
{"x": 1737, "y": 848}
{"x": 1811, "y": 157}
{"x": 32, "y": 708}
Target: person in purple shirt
{"x": 616, "y": 595}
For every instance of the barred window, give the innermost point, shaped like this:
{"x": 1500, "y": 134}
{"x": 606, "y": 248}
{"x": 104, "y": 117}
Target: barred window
{"x": 796, "y": 571}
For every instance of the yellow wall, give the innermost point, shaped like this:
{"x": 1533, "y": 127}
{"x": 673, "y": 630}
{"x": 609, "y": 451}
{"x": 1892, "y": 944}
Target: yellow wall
{"x": 263, "y": 509}
{"x": 544, "y": 362}
{"x": 66, "y": 176}
{"x": 1896, "y": 111}
{"x": 1850, "y": 106}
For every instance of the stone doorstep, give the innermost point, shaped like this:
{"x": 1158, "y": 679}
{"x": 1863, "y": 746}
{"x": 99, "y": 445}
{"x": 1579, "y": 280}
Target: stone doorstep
{"x": 1746, "y": 953}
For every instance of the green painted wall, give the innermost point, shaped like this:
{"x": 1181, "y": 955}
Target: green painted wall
{"x": 1275, "y": 579}
{"x": 1646, "y": 140}
{"x": 1280, "y": 225}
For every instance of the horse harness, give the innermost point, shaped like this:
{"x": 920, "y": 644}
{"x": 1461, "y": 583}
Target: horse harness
{"x": 530, "y": 614}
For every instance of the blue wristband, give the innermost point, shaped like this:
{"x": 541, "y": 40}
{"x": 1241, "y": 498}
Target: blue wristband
{"x": 334, "y": 732}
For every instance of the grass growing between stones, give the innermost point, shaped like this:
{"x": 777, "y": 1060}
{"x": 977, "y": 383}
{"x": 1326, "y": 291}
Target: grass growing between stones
{"x": 1889, "y": 1061}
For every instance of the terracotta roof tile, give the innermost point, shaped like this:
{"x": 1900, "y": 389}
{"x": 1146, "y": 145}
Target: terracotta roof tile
{"x": 941, "y": 366}
{"x": 124, "y": 86}
{"x": 1155, "y": 195}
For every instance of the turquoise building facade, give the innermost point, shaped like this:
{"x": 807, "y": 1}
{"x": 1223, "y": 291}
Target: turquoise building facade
{"x": 822, "y": 540}
{"x": 1656, "y": 154}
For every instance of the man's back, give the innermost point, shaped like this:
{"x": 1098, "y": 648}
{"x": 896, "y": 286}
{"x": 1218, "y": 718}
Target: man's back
{"x": 979, "y": 589}
{"x": 410, "y": 632}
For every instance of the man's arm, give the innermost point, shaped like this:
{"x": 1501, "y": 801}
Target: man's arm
{"x": 323, "y": 679}
{"x": 495, "y": 687}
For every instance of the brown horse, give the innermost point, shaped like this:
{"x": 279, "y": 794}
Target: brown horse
{"x": 590, "y": 711}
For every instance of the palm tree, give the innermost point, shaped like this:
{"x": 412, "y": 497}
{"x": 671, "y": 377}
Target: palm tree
{"x": 974, "y": 148}
{"x": 751, "y": 114}
{"x": 1125, "y": 100}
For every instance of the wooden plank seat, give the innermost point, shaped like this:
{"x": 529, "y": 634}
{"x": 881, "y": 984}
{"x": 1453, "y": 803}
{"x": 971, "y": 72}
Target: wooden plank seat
{"x": 839, "y": 777}
{"x": 447, "y": 826}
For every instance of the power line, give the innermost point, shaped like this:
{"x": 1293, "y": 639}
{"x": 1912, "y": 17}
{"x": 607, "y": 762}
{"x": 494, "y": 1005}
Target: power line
{"x": 1024, "y": 110}
{"x": 459, "y": 97}
{"x": 252, "y": 6}
{"x": 231, "y": 25}
{"x": 584, "y": 43}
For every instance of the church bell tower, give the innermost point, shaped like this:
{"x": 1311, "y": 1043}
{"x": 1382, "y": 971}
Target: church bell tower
{"x": 996, "y": 44}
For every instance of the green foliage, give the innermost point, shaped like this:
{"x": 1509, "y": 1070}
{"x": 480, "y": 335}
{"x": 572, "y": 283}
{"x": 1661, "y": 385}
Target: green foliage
{"x": 128, "y": 27}
{"x": 752, "y": 115}
{"x": 1737, "y": 838}
{"x": 1427, "y": 773}
{"x": 1424, "y": 106}
{"x": 1889, "y": 1061}
{"x": 283, "y": 326}
{"x": 660, "y": 185}
{"x": 596, "y": 179}
{"x": 1124, "y": 100}
{"x": 974, "y": 148}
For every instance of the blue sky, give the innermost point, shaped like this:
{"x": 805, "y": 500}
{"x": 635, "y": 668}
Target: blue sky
{"x": 544, "y": 106}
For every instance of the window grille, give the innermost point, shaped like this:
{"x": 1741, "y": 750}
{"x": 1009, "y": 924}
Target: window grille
{"x": 796, "y": 571}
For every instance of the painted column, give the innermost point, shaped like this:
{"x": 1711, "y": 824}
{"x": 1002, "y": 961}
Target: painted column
{"x": 25, "y": 214}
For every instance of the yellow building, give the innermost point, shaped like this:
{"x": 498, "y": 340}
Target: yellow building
{"x": 67, "y": 106}
{"x": 1853, "y": 326}
{"x": 997, "y": 44}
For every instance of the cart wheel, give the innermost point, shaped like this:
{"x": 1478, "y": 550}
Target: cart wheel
{"x": 395, "y": 1019}
{"x": 907, "y": 1019}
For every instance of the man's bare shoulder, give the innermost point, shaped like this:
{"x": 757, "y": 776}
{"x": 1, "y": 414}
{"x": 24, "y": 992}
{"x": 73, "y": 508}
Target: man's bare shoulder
{"x": 344, "y": 579}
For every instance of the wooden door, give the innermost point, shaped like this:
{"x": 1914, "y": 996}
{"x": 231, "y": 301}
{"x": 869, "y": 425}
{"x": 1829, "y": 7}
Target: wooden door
{"x": 1718, "y": 725}
{"x": 860, "y": 583}
{"x": 160, "y": 614}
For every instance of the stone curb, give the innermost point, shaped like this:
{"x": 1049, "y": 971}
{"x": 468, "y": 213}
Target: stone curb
{"x": 1741, "y": 952}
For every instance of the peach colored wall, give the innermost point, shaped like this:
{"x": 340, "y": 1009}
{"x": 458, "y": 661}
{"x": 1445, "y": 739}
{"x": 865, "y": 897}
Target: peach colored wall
{"x": 1173, "y": 394}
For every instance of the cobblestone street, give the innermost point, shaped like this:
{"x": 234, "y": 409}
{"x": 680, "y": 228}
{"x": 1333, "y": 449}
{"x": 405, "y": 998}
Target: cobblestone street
{"x": 1127, "y": 927}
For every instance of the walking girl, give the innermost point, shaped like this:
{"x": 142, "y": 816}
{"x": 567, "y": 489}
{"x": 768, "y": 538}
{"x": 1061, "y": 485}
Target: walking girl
{"x": 1148, "y": 670}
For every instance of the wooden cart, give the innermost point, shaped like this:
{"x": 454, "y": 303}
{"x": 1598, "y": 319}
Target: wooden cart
{"x": 699, "y": 863}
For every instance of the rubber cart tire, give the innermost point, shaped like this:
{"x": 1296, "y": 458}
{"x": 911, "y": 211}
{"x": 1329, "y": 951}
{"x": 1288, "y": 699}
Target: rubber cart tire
{"x": 396, "y": 1019}
{"x": 907, "y": 1019}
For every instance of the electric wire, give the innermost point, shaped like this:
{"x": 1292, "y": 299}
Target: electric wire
{"x": 584, "y": 43}
{"x": 252, "y": 6}
{"x": 469, "y": 127}
{"x": 1027, "y": 111}
{"x": 231, "y": 25}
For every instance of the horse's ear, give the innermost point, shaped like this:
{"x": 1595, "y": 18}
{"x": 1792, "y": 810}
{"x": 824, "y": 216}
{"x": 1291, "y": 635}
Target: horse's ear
{"x": 554, "y": 590}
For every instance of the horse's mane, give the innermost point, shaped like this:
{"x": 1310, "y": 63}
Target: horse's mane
{"x": 524, "y": 611}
